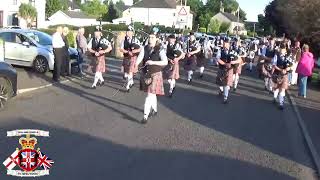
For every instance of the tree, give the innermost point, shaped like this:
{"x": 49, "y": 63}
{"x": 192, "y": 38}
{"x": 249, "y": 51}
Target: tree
{"x": 28, "y": 13}
{"x": 224, "y": 27}
{"x": 94, "y": 8}
{"x": 214, "y": 26}
{"x": 52, "y": 6}
{"x": 135, "y": 1}
{"x": 120, "y": 7}
{"x": 112, "y": 13}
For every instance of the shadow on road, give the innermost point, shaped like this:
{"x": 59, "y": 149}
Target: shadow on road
{"x": 81, "y": 156}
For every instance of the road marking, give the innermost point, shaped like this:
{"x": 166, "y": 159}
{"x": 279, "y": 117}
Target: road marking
{"x": 314, "y": 154}
{"x": 22, "y": 91}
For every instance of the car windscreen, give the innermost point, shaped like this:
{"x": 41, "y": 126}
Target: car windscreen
{"x": 41, "y": 38}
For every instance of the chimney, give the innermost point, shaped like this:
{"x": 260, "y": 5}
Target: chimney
{"x": 221, "y": 7}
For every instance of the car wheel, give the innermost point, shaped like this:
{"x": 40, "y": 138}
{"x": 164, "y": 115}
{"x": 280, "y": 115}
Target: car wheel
{"x": 6, "y": 92}
{"x": 40, "y": 64}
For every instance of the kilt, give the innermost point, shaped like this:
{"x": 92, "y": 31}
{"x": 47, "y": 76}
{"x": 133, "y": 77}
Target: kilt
{"x": 129, "y": 64}
{"x": 237, "y": 69}
{"x": 283, "y": 84}
{"x": 156, "y": 87}
{"x": 225, "y": 77}
{"x": 201, "y": 61}
{"x": 174, "y": 73}
{"x": 191, "y": 63}
{"x": 98, "y": 64}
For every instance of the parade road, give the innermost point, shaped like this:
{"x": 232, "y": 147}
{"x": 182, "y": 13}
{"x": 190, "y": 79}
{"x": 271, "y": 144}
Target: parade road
{"x": 97, "y": 134}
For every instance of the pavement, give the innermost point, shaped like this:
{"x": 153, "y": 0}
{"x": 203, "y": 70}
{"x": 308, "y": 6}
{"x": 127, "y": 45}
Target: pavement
{"x": 309, "y": 110}
{"x": 96, "y": 134}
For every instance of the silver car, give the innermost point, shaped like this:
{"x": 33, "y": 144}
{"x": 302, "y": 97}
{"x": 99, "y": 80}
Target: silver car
{"x": 30, "y": 48}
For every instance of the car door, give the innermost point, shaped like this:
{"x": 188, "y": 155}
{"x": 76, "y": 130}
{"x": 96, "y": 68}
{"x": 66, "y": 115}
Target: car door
{"x": 12, "y": 52}
{"x": 28, "y": 51}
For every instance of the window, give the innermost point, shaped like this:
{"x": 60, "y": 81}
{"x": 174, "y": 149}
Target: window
{"x": 7, "y": 37}
{"x": 15, "y": 2}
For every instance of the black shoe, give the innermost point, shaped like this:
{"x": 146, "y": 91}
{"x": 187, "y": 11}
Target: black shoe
{"x": 131, "y": 85}
{"x": 128, "y": 90}
{"x": 153, "y": 113}
{"x": 225, "y": 101}
{"x": 274, "y": 101}
{"x": 201, "y": 76}
{"x": 281, "y": 107}
{"x": 94, "y": 87}
{"x": 190, "y": 81}
{"x": 101, "y": 83}
{"x": 220, "y": 93}
{"x": 234, "y": 89}
{"x": 144, "y": 121}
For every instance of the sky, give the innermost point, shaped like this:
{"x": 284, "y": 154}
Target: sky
{"x": 251, "y": 7}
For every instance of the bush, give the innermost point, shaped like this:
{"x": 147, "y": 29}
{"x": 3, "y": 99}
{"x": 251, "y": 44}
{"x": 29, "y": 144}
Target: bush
{"x": 202, "y": 30}
{"x": 75, "y": 28}
{"x": 71, "y": 39}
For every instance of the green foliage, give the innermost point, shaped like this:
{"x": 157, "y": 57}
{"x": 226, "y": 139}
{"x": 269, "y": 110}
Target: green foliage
{"x": 112, "y": 13}
{"x": 214, "y": 26}
{"x": 135, "y": 1}
{"x": 120, "y": 7}
{"x": 224, "y": 27}
{"x": 71, "y": 39}
{"x": 27, "y": 12}
{"x": 52, "y": 6}
{"x": 202, "y": 30}
{"x": 94, "y": 8}
{"x": 252, "y": 34}
{"x": 74, "y": 28}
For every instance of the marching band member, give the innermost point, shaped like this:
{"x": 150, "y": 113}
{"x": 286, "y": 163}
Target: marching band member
{"x": 130, "y": 48}
{"x": 192, "y": 50}
{"x": 174, "y": 54}
{"x": 237, "y": 68}
{"x": 267, "y": 65}
{"x": 281, "y": 66}
{"x": 153, "y": 59}
{"x": 225, "y": 74}
{"x": 98, "y": 47}
{"x": 251, "y": 55}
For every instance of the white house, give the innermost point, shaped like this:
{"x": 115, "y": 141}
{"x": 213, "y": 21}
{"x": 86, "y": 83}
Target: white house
{"x": 157, "y": 12}
{"x": 235, "y": 24}
{"x": 74, "y": 18}
{"x": 9, "y": 10}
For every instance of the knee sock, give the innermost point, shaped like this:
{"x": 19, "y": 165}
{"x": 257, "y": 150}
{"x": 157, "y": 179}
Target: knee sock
{"x": 226, "y": 91}
{"x": 281, "y": 97}
{"x": 275, "y": 93}
{"x": 236, "y": 80}
{"x": 96, "y": 79}
{"x": 172, "y": 83}
{"x": 201, "y": 70}
{"x": 190, "y": 73}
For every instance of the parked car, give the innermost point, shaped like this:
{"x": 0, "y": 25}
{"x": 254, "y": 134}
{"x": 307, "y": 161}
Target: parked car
{"x": 8, "y": 83}
{"x": 30, "y": 48}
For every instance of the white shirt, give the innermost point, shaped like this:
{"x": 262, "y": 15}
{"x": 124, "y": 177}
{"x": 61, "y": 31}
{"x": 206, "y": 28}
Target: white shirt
{"x": 57, "y": 41}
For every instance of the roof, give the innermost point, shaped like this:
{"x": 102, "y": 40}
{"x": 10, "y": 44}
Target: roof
{"x": 231, "y": 17}
{"x": 156, "y": 4}
{"x": 77, "y": 14}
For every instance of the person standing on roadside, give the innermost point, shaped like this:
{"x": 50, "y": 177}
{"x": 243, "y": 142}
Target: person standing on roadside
{"x": 304, "y": 69}
{"x": 58, "y": 51}
{"x": 66, "y": 58}
{"x": 81, "y": 48}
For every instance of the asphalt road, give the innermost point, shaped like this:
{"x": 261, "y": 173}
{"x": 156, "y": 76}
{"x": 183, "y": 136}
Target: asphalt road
{"x": 96, "y": 136}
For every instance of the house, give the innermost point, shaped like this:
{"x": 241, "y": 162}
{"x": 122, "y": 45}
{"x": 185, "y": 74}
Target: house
{"x": 157, "y": 12}
{"x": 74, "y": 18}
{"x": 9, "y": 10}
{"x": 236, "y": 25}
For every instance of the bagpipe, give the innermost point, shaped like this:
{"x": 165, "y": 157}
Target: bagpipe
{"x": 142, "y": 36}
{"x": 278, "y": 76}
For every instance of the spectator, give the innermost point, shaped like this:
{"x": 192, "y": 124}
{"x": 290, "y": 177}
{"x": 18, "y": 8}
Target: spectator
{"x": 58, "y": 46}
{"x": 66, "y": 57}
{"x": 81, "y": 47}
{"x": 304, "y": 70}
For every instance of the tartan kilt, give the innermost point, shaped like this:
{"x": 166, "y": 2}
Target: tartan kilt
{"x": 201, "y": 61}
{"x": 101, "y": 64}
{"x": 129, "y": 64}
{"x": 225, "y": 77}
{"x": 191, "y": 63}
{"x": 156, "y": 87}
{"x": 280, "y": 84}
{"x": 174, "y": 74}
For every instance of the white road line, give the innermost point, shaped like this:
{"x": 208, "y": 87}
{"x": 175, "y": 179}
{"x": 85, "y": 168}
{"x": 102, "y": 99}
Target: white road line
{"x": 22, "y": 91}
{"x": 314, "y": 154}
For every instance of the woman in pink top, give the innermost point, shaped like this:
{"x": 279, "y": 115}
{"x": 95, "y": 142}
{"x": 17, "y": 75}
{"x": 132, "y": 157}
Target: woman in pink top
{"x": 304, "y": 70}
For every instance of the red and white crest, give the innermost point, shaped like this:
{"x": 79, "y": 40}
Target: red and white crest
{"x": 28, "y": 159}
